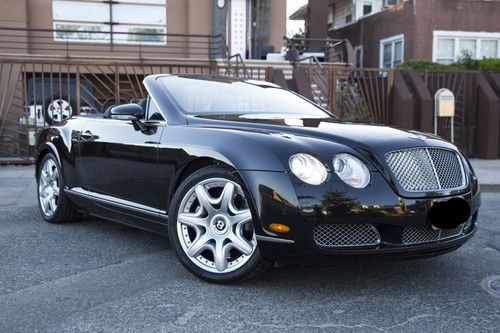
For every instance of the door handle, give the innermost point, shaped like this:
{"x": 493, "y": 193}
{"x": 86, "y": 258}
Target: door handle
{"x": 87, "y": 136}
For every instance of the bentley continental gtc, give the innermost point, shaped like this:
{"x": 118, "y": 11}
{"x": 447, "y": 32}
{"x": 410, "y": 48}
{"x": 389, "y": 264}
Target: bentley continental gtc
{"x": 238, "y": 171}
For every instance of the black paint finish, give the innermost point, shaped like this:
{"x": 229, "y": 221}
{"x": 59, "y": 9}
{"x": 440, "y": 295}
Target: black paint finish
{"x": 116, "y": 171}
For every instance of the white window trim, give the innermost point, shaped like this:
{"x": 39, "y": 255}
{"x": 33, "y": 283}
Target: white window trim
{"x": 457, "y": 35}
{"x": 359, "y": 47}
{"x": 391, "y": 40}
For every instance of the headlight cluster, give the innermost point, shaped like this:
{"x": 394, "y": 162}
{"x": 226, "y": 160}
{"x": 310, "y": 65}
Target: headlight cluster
{"x": 312, "y": 171}
{"x": 308, "y": 169}
{"x": 351, "y": 170}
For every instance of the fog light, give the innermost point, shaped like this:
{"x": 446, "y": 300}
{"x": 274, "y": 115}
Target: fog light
{"x": 277, "y": 227}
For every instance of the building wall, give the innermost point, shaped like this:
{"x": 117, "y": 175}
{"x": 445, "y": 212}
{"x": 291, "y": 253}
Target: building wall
{"x": 458, "y": 15}
{"x": 183, "y": 17}
{"x": 13, "y": 13}
{"x": 417, "y": 20}
{"x": 371, "y": 29}
{"x": 277, "y": 24}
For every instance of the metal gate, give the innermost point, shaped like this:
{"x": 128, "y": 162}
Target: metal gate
{"x": 361, "y": 94}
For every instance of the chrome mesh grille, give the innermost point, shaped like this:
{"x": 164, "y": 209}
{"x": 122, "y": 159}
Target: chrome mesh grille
{"x": 338, "y": 235}
{"x": 417, "y": 234}
{"x": 426, "y": 169}
{"x": 448, "y": 168}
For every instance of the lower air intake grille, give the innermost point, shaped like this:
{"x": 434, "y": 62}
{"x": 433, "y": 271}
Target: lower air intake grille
{"x": 339, "y": 235}
{"x": 417, "y": 234}
{"x": 426, "y": 169}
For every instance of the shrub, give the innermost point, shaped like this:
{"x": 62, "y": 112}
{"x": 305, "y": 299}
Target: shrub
{"x": 463, "y": 63}
{"x": 489, "y": 65}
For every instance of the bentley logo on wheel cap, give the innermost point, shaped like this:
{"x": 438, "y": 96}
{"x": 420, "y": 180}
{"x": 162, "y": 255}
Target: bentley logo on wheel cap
{"x": 220, "y": 225}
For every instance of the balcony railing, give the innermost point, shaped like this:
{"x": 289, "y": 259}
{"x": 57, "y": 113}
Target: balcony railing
{"x": 91, "y": 44}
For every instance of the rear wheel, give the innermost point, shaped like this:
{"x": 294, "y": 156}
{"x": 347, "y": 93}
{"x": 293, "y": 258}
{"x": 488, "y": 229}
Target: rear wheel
{"x": 52, "y": 201}
{"x": 211, "y": 227}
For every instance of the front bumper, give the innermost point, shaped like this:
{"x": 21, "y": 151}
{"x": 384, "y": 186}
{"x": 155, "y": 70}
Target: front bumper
{"x": 279, "y": 198}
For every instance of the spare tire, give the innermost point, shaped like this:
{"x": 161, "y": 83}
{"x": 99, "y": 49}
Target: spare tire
{"x": 58, "y": 109}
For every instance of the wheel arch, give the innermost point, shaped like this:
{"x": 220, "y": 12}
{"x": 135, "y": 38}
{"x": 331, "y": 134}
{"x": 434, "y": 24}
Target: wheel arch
{"x": 44, "y": 149}
{"x": 197, "y": 164}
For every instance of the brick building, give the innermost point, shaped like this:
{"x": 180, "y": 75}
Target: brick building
{"x": 388, "y": 32}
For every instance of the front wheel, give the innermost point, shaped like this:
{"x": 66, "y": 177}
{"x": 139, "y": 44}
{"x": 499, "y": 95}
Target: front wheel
{"x": 211, "y": 227}
{"x": 52, "y": 201}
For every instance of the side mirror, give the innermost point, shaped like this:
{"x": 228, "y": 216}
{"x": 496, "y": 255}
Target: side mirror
{"x": 131, "y": 111}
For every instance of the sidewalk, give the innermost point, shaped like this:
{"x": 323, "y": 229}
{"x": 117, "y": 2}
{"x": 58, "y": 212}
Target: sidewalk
{"x": 488, "y": 173}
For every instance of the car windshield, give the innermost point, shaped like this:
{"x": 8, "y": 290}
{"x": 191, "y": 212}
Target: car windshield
{"x": 231, "y": 97}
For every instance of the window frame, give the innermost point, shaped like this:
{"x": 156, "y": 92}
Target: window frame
{"x": 360, "y": 49}
{"x": 147, "y": 119}
{"x": 111, "y": 32}
{"x": 391, "y": 40}
{"x": 457, "y": 36}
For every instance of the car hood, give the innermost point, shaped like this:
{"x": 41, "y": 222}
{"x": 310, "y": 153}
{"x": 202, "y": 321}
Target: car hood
{"x": 359, "y": 136}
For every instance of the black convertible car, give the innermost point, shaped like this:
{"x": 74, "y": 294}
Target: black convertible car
{"x": 235, "y": 171}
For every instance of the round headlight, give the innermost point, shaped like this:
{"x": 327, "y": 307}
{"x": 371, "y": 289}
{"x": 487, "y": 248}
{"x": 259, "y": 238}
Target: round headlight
{"x": 308, "y": 168}
{"x": 351, "y": 170}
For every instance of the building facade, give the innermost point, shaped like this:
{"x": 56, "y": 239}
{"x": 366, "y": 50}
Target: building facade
{"x": 385, "y": 33}
{"x": 250, "y": 27}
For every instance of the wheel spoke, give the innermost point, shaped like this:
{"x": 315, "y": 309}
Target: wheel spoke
{"x": 242, "y": 217}
{"x": 46, "y": 204}
{"x": 220, "y": 256}
{"x": 56, "y": 190}
{"x": 205, "y": 199}
{"x": 55, "y": 174}
{"x": 241, "y": 244}
{"x": 44, "y": 176}
{"x": 226, "y": 197}
{"x": 192, "y": 220}
{"x": 199, "y": 245}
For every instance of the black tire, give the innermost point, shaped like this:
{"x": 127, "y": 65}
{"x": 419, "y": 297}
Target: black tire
{"x": 48, "y": 119}
{"x": 66, "y": 210}
{"x": 251, "y": 265}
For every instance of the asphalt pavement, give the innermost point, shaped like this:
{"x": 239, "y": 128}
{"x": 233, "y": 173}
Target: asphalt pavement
{"x": 96, "y": 275}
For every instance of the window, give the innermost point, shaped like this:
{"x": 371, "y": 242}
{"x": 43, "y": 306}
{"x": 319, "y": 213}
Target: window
{"x": 349, "y": 9}
{"x": 388, "y": 3}
{"x": 120, "y": 21}
{"x": 358, "y": 52}
{"x": 489, "y": 48}
{"x": 331, "y": 16}
{"x": 450, "y": 45}
{"x": 391, "y": 51}
{"x": 367, "y": 7}
{"x": 446, "y": 50}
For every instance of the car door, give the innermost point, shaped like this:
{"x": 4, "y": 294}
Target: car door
{"x": 120, "y": 164}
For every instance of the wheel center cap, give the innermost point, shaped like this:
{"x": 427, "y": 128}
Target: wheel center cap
{"x": 219, "y": 224}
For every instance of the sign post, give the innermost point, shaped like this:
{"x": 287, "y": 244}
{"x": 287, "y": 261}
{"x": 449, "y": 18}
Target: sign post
{"x": 444, "y": 106}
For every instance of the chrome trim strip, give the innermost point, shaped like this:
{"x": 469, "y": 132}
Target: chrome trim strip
{"x": 434, "y": 168}
{"x": 275, "y": 240}
{"x": 107, "y": 199}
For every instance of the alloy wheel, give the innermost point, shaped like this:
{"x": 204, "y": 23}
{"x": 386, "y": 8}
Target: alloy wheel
{"x": 214, "y": 226}
{"x": 49, "y": 187}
